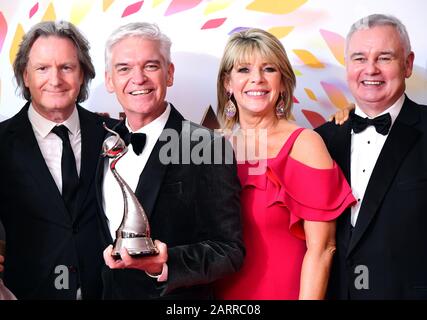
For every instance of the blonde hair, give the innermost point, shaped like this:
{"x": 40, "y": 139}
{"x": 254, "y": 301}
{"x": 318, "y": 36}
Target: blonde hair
{"x": 242, "y": 45}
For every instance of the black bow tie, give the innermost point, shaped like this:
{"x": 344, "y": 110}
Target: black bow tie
{"x": 382, "y": 123}
{"x": 137, "y": 140}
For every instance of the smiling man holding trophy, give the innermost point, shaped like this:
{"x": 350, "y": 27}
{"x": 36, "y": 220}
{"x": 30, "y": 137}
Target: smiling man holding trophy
{"x": 190, "y": 207}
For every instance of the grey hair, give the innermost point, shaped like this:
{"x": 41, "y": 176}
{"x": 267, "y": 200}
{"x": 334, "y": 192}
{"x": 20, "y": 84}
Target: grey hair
{"x": 61, "y": 29}
{"x": 144, "y": 30}
{"x": 375, "y": 20}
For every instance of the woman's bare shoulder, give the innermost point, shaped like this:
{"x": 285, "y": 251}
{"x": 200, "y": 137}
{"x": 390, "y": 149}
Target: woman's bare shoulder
{"x": 310, "y": 149}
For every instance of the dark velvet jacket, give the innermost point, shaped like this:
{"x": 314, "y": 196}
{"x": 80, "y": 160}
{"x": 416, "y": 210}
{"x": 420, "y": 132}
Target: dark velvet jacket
{"x": 193, "y": 208}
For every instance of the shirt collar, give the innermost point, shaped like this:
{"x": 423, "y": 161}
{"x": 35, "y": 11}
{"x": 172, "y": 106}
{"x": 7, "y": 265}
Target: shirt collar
{"x": 394, "y": 110}
{"x": 44, "y": 126}
{"x": 155, "y": 126}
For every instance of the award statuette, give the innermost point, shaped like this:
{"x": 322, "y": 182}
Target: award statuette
{"x": 134, "y": 231}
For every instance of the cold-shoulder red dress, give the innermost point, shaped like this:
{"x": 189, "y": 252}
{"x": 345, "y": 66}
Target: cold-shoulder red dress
{"x": 275, "y": 200}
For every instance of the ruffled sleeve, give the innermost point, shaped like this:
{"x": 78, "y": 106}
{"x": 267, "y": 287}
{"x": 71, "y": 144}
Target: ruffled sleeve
{"x": 309, "y": 193}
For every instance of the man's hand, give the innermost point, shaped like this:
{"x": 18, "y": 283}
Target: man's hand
{"x": 342, "y": 115}
{"x": 1, "y": 263}
{"x": 151, "y": 264}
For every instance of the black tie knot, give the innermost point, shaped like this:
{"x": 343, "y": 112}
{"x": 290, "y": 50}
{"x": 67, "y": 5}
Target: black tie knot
{"x": 382, "y": 123}
{"x": 62, "y": 132}
{"x": 137, "y": 140}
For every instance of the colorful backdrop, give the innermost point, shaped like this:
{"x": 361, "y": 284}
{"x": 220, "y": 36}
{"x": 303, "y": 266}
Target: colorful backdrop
{"x": 312, "y": 32}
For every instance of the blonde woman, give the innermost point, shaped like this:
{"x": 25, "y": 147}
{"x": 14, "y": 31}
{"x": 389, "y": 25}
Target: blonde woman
{"x": 292, "y": 191}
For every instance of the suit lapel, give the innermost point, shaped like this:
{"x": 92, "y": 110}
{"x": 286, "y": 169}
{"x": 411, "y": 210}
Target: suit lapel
{"x": 102, "y": 165}
{"x": 91, "y": 140}
{"x": 341, "y": 152}
{"x": 102, "y": 162}
{"x": 28, "y": 155}
{"x": 401, "y": 139}
{"x": 152, "y": 176}
{"x": 341, "y": 143}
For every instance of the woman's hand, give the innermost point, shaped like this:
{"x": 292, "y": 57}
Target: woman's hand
{"x": 342, "y": 115}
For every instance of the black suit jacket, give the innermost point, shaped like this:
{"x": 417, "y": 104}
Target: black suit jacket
{"x": 390, "y": 234}
{"x": 40, "y": 233}
{"x": 193, "y": 208}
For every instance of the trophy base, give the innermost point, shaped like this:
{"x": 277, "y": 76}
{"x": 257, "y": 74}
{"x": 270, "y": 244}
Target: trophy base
{"x": 136, "y": 247}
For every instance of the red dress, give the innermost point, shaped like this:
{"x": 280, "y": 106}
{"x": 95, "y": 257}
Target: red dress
{"x": 274, "y": 205}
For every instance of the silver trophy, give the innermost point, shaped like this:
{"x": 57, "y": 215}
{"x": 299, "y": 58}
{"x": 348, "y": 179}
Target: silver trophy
{"x": 134, "y": 231}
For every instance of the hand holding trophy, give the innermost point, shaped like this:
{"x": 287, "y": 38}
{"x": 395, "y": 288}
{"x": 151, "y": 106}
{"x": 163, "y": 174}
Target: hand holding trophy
{"x": 134, "y": 230}
{"x": 5, "y": 293}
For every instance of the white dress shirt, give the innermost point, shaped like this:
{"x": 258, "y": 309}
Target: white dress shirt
{"x": 129, "y": 167}
{"x": 365, "y": 148}
{"x": 51, "y": 145}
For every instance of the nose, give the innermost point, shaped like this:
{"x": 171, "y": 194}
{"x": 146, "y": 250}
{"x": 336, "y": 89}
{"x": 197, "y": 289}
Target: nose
{"x": 138, "y": 76}
{"x": 371, "y": 67}
{"x": 55, "y": 77}
{"x": 256, "y": 76}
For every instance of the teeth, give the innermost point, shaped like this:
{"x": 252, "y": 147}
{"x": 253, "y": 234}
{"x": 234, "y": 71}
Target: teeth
{"x": 373, "y": 83}
{"x": 138, "y": 92}
{"x": 256, "y": 93}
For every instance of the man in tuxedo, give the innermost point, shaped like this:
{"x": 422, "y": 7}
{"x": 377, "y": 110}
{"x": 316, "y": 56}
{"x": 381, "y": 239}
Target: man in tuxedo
{"x": 382, "y": 149}
{"x": 193, "y": 208}
{"x": 50, "y": 149}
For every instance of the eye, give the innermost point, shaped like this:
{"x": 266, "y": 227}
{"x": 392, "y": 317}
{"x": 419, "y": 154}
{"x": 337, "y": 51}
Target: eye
{"x": 123, "y": 69}
{"x": 41, "y": 68}
{"x": 242, "y": 70}
{"x": 67, "y": 68}
{"x": 384, "y": 58}
{"x": 152, "y": 67}
{"x": 359, "y": 59}
{"x": 270, "y": 69}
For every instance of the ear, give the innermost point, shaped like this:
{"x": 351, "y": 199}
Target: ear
{"x": 171, "y": 72}
{"x": 25, "y": 76}
{"x": 409, "y": 64}
{"x": 282, "y": 87}
{"x": 109, "y": 84}
{"x": 81, "y": 76}
{"x": 226, "y": 83}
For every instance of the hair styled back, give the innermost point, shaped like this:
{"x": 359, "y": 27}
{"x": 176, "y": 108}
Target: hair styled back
{"x": 376, "y": 20}
{"x": 240, "y": 47}
{"x": 144, "y": 30}
{"x": 60, "y": 29}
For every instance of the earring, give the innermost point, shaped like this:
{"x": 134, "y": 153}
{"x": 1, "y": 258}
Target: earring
{"x": 230, "y": 107}
{"x": 280, "y": 107}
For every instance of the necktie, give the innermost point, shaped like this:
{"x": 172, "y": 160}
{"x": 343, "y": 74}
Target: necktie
{"x": 382, "y": 123}
{"x": 137, "y": 140}
{"x": 70, "y": 179}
